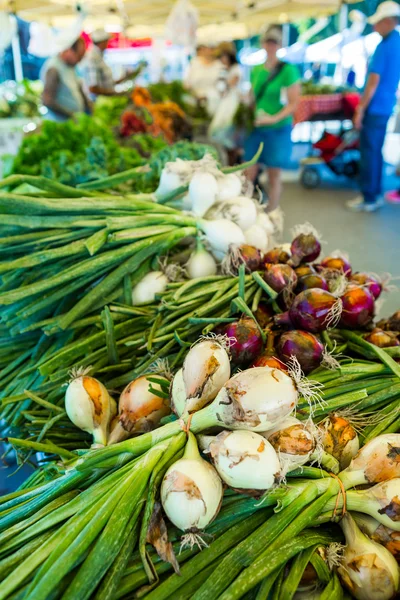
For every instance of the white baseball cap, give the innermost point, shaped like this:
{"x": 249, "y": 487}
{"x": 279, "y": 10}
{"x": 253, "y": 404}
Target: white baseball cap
{"x": 100, "y": 35}
{"x": 384, "y": 10}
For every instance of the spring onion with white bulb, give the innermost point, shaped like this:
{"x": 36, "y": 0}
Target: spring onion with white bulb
{"x": 201, "y": 263}
{"x": 340, "y": 439}
{"x": 146, "y": 290}
{"x": 367, "y": 569}
{"x": 141, "y": 406}
{"x": 191, "y": 493}
{"x": 229, "y": 186}
{"x": 240, "y": 210}
{"x": 293, "y": 442}
{"x": 257, "y": 236}
{"x": 89, "y": 406}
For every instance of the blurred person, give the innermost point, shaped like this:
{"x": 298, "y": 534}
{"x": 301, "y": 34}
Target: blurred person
{"x": 63, "y": 94}
{"x": 202, "y": 76}
{"x": 376, "y": 106}
{"x": 276, "y": 91}
{"x": 222, "y": 128}
{"x": 97, "y": 74}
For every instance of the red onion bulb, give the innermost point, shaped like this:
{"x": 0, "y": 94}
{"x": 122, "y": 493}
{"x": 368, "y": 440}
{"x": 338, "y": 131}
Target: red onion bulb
{"x": 280, "y": 277}
{"x": 372, "y": 284}
{"x": 311, "y": 281}
{"x": 304, "y": 248}
{"x": 358, "y": 307}
{"x": 265, "y": 359}
{"x": 247, "y": 340}
{"x": 338, "y": 263}
{"x": 312, "y": 310}
{"x": 304, "y": 346}
{"x": 275, "y": 256}
{"x": 304, "y": 270}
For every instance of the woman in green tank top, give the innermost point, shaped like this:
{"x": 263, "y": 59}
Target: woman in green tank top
{"x": 276, "y": 92}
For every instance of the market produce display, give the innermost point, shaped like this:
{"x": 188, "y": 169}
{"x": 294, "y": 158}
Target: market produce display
{"x": 219, "y": 414}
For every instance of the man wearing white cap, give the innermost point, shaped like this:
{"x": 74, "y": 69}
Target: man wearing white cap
{"x": 62, "y": 93}
{"x": 97, "y": 74}
{"x": 376, "y": 105}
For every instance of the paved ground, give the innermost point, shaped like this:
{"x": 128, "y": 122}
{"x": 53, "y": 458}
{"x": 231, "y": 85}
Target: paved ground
{"x": 372, "y": 240}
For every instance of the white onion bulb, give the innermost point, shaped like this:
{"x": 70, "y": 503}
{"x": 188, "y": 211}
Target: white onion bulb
{"x": 240, "y": 210}
{"x": 201, "y": 264}
{"x": 229, "y": 186}
{"x": 257, "y": 236}
{"x": 293, "y": 442}
{"x": 191, "y": 491}
{"x": 245, "y": 460}
{"x": 256, "y": 399}
{"x": 90, "y": 407}
{"x": 265, "y": 222}
{"x": 367, "y": 569}
{"x": 203, "y": 188}
{"x": 146, "y": 290}
{"x": 221, "y": 233}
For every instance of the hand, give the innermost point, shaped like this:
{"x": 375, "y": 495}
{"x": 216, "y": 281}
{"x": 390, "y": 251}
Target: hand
{"x": 358, "y": 117}
{"x": 265, "y": 119}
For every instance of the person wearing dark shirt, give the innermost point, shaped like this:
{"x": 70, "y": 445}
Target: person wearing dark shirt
{"x": 376, "y": 106}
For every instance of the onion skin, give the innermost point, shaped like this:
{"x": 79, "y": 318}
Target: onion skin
{"x": 338, "y": 264}
{"x": 304, "y": 346}
{"x": 391, "y": 324}
{"x": 303, "y": 270}
{"x": 248, "y": 341}
{"x": 382, "y": 339}
{"x": 266, "y": 360}
{"x": 307, "y": 282}
{"x": 304, "y": 248}
{"x": 369, "y": 281}
{"x": 310, "y": 311}
{"x": 264, "y": 314}
{"x": 340, "y": 439}
{"x": 280, "y": 276}
{"x": 358, "y": 307}
{"x": 275, "y": 256}
{"x": 250, "y": 256}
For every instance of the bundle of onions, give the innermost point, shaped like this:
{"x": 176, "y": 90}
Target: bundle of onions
{"x": 313, "y": 310}
{"x": 340, "y": 439}
{"x": 383, "y": 339}
{"x": 367, "y": 569}
{"x": 191, "y": 493}
{"x": 379, "y": 533}
{"x": 141, "y": 407}
{"x": 246, "y": 340}
{"x": 280, "y": 277}
{"x": 305, "y": 346}
{"x": 371, "y": 282}
{"x": 90, "y": 407}
{"x": 205, "y": 370}
{"x": 293, "y": 442}
{"x": 305, "y": 246}
{"x": 244, "y": 460}
{"x": 358, "y": 307}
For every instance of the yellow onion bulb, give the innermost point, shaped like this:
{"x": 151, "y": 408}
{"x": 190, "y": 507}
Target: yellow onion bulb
{"x": 90, "y": 407}
{"x": 368, "y": 570}
{"x": 191, "y": 491}
{"x": 379, "y": 533}
{"x": 139, "y": 409}
{"x": 178, "y": 394}
{"x": 245, "y": 460}
{"x": 340, "y": 439}
{"x": 293, "y": 442}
